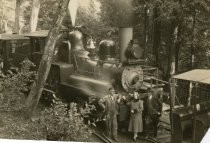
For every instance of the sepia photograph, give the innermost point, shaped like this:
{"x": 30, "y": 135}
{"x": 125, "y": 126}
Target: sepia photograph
{"x": 105, "y": 71}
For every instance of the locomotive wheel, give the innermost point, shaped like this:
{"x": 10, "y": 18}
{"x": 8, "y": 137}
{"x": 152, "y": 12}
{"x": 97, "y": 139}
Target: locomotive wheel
{"x": 50, "y": 91}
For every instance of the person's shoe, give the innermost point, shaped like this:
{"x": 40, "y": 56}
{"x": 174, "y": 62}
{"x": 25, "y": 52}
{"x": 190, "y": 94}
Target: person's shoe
{"x": 115, "y": 139}
{"x": 134, "y": 139}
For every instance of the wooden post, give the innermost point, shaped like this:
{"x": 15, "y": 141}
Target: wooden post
{"x": 46, "y": 61}
{"x": 171, "y": 104}
{"x": 194, "y": 111}
{"x": 172, "y": 91}
{"x": 190, "y": 93}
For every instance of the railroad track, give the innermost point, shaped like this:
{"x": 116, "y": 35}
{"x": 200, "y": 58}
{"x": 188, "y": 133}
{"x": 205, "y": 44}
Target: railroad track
{"x": 103, "y": 138}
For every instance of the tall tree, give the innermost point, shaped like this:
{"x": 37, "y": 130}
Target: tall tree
{"x": 34, "y": 15}
{"x": 174, "y": 38}
{"x": 179, "y": 37}
{"x": 3, "y": 19}
{"x": 17, "y": 16}
{"x": 193, "y": 35}
{"x": 47, "y": 57}
{"x": 156, "y": 33}
{"x": 146, "y": 26}
{"x": 171, "y": 52}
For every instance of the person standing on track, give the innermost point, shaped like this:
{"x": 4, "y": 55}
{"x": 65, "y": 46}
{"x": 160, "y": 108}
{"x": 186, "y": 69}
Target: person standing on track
{"x": 109, "y": 105}
{"x": 155, "y": 108}
{"x": 136, "y": 123}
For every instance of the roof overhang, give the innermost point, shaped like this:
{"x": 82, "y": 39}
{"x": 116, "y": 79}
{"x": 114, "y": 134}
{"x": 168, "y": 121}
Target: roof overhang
{"x": 41, "y": 33}
{"x": 12, "y": 37}
{"x": 196, "y": 75}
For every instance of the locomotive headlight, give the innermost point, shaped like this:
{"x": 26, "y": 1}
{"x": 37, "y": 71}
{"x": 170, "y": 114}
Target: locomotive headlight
{"x": 132, "y": 78}
{"x": 134, "y": 51}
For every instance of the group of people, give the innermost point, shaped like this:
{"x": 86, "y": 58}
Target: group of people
{"x": 138, "y": 111}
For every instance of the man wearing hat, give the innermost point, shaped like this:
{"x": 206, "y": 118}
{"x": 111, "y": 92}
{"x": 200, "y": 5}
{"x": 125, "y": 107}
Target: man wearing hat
{"x": 110, "y": 107}
{"x": 155, "y": 108}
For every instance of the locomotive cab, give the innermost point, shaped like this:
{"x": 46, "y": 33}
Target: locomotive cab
{"x": 38, "y": 41}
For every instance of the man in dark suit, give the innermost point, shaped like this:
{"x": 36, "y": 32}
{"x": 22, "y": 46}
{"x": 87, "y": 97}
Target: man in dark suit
{"x": 155, "y": 108}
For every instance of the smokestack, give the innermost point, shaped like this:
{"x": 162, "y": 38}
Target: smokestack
{"x": 125, "y": 36}
{"x": 126, "y": 19}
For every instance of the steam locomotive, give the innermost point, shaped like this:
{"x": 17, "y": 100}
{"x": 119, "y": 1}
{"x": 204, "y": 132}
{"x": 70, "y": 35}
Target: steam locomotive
{"x": 81, "y": 72}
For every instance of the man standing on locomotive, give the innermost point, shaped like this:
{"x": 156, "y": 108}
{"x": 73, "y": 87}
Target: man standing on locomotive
{"x": 110, "y": 106}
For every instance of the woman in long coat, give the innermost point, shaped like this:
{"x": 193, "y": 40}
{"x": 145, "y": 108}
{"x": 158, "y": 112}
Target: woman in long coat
{"x": 136, "y": 108}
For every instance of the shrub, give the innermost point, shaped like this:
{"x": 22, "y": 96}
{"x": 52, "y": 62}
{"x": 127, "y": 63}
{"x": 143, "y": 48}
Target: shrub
{"x": 64, "y": 122}
{"x": 14, "y": 84}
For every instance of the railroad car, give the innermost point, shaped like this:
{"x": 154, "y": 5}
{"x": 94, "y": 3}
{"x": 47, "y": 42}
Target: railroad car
{"x": 190, "y": 121}
{"x": 13, "y": 49}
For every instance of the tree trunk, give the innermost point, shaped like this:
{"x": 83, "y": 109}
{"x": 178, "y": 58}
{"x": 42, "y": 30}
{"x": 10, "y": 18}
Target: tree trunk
{"x": 171, "y": 53}
{"x": 179, "y": 38}
{"x": 177, "y": 46}
{"x": 46, "y": 61}
{"x": 156, "y": 34}
{"x": 174, "y": 51}
{"x": 5, "y": 26}
{"x": 34, "y": 15}
{"x": 146, "y": 28}
{"x": 177, "y": 49}
{"x": 17, "y": 17}
{"x": 193, "y": 38}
